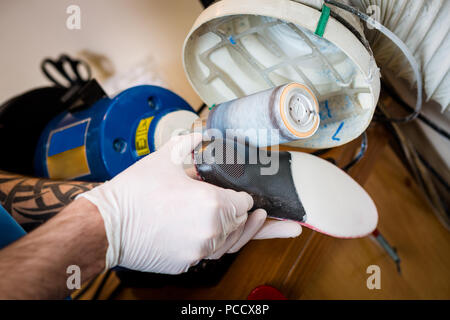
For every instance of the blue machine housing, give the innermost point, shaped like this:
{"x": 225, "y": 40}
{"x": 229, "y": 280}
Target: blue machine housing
{"x": 105, "y": 133}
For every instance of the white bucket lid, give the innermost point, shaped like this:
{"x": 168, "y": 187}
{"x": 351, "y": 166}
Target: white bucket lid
{"x": 236, "y": 48}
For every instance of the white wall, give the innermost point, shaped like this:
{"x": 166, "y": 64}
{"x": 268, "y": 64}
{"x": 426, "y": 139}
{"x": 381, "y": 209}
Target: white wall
{"x": 126, "y": 31}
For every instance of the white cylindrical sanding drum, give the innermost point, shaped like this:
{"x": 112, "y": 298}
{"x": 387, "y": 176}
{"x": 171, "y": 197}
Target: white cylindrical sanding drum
{"x": 278, "y": 115}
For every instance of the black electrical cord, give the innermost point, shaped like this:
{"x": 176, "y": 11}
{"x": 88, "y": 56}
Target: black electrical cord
{"x": 361, "y": 153}
{"x": 355, "y": 160}
{"x": 380, "y": 116}
{"x": 421, "y": 117}
{"x": 412, "y": 168}
{"x": 202, "y": 107}
{"x": 331, "y": 160}
{"x": 434, "y": 172}
{"x": 207, "y": 3}
{"x": 433, "y": 126}
{"x": 355, "y": 32}
{"x": 321, "y": 152}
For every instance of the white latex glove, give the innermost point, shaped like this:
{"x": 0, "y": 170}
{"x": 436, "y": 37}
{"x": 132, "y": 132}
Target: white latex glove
{"x": 158, "y": 219}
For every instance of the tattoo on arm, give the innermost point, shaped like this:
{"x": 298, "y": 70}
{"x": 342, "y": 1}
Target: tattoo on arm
{"x": 32, "y": 201}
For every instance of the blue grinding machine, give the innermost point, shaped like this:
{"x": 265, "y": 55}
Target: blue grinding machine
{"x": 100, "y": 141}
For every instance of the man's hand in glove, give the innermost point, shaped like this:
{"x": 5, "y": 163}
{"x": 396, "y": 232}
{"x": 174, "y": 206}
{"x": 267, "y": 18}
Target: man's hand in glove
{"x": 158, "y": 219}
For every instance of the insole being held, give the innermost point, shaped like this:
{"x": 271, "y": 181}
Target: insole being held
{"x": 290, "y": 185}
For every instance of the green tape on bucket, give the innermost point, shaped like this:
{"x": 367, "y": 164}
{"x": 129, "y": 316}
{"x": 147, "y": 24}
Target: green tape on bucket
{"x": 321, "y": 25}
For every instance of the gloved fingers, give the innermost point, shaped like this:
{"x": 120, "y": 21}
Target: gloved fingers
{"x": 240, "y": 202}
{"x": 238, "y": 238}
{"x": 254, "y": 223}
{"x": 181, "y": 146}
{"x": 279, "y": 229}
{"x": 229, "y": 242}
{"x": 192, "y": 173}
{"x": 234, "y": 208}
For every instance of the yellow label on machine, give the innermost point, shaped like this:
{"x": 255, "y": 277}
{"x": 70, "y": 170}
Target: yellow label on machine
{"x": 142, "y": 147}
{"x": 66, "y": 153}
{"x": 68, "y": 164}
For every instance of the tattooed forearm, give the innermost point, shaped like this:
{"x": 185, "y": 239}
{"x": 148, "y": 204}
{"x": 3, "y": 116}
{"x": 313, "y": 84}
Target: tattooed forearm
{"x": 32, "y": 201}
